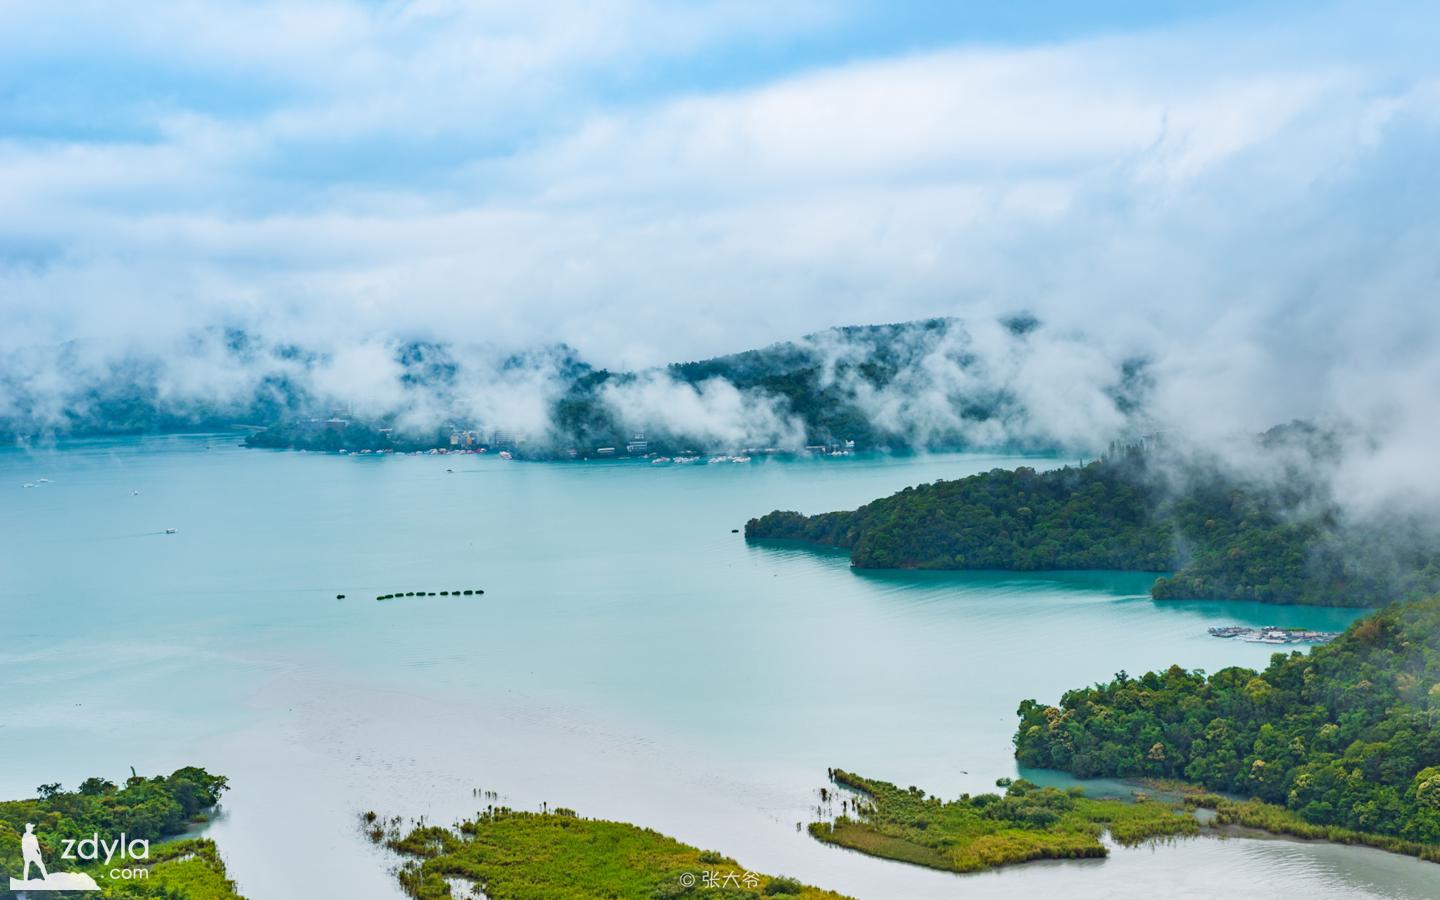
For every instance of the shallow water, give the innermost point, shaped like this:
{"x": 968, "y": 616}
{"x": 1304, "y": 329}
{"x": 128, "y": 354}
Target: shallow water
{"x": 631, "y": 658}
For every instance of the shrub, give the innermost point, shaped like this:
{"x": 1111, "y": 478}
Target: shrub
{"x": 781, "y": 885}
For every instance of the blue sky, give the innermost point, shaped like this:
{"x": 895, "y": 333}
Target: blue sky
{"x": 1243, "y": 191}
{"x": 67, "y": 78}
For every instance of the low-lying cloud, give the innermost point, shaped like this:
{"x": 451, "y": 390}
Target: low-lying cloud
{"x": 1221, "y": 224}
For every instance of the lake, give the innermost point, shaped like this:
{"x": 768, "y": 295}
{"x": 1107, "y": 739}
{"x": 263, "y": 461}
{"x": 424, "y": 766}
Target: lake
{"x": 631, "y": 658}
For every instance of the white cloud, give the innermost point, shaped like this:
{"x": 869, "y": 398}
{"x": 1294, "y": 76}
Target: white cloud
{"x": 1251, "y": 204}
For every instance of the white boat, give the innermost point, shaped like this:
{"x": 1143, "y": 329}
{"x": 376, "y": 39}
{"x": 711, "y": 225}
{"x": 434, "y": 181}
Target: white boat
{"x": 659, "y": 460}
{"x": 170, "y": 531}
{"x": 505, "y": 454}
{"x": 43, "y": 481}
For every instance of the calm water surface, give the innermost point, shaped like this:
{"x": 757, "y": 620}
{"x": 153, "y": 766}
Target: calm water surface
{"x": 631, "y": 658}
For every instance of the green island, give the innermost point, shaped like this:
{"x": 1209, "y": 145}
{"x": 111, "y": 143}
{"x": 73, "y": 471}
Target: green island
{"x": 1220, "y": 537}
{"x": 557, "y": 855}
{"x": 147, "y": 808}
{"x": 974, "y": 833}
{"x": 1340, "y": 743}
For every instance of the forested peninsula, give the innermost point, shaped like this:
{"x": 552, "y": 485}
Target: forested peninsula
{"x": 1221, "y": 538}
{"x": 1341, "y": 742}
{"x": 145, "y": 808}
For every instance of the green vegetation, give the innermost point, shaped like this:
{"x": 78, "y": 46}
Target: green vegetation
{"x": 558, "y": 856}
{"x": 1227, "y": 540}
{"x": 188, "y": 869}
{"x": 1278, "y": 820}
{"x": 988, "y": 830}
{"x": 1345, "y": 737}
{"x": 146, "y": 808}
{"x": 1094, "y": 517}
{"x": 333, "y": 436}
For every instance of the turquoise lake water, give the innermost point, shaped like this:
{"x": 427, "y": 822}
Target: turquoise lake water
{"x": 631, "y": 658}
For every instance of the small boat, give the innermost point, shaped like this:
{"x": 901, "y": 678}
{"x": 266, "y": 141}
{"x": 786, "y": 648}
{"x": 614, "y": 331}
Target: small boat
{"x": 451, "y": 471}
{"x": 659, "y": 460}
{"x": 28, "y": 484}
{"x": 170, "y": 531}
{"x": 505, "y": 454}
{"x": 43, "y": 481}
{"x": 134, "y": 493}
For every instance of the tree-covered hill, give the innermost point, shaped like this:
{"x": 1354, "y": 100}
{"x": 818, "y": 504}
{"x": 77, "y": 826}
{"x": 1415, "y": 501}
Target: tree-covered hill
{"x": 1347, "y": 735}
{"x": 1221, "y": 538}
{"x": 1086, "y": 518}
{"x": 933, "y": 383}
{"x": 144, "y": 808}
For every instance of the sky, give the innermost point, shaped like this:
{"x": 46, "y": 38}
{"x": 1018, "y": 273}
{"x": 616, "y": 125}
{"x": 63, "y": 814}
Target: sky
{"x": 1243, "y": 193}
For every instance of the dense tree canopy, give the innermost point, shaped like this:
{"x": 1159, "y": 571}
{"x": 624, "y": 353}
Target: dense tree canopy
{"x": 146, "y": 808}
{"x": 1222, "y": 539}
{"x": 1087, "y": 518}
{"x": 1348, "y": 735}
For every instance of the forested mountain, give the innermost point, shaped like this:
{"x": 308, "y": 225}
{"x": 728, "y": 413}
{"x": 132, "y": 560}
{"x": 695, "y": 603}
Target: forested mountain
{"x": 1220, "y": 536}
{"x": 66, "y": 391}
{"x": 1343, "y": 736}
{"x": 935, "y": 383}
